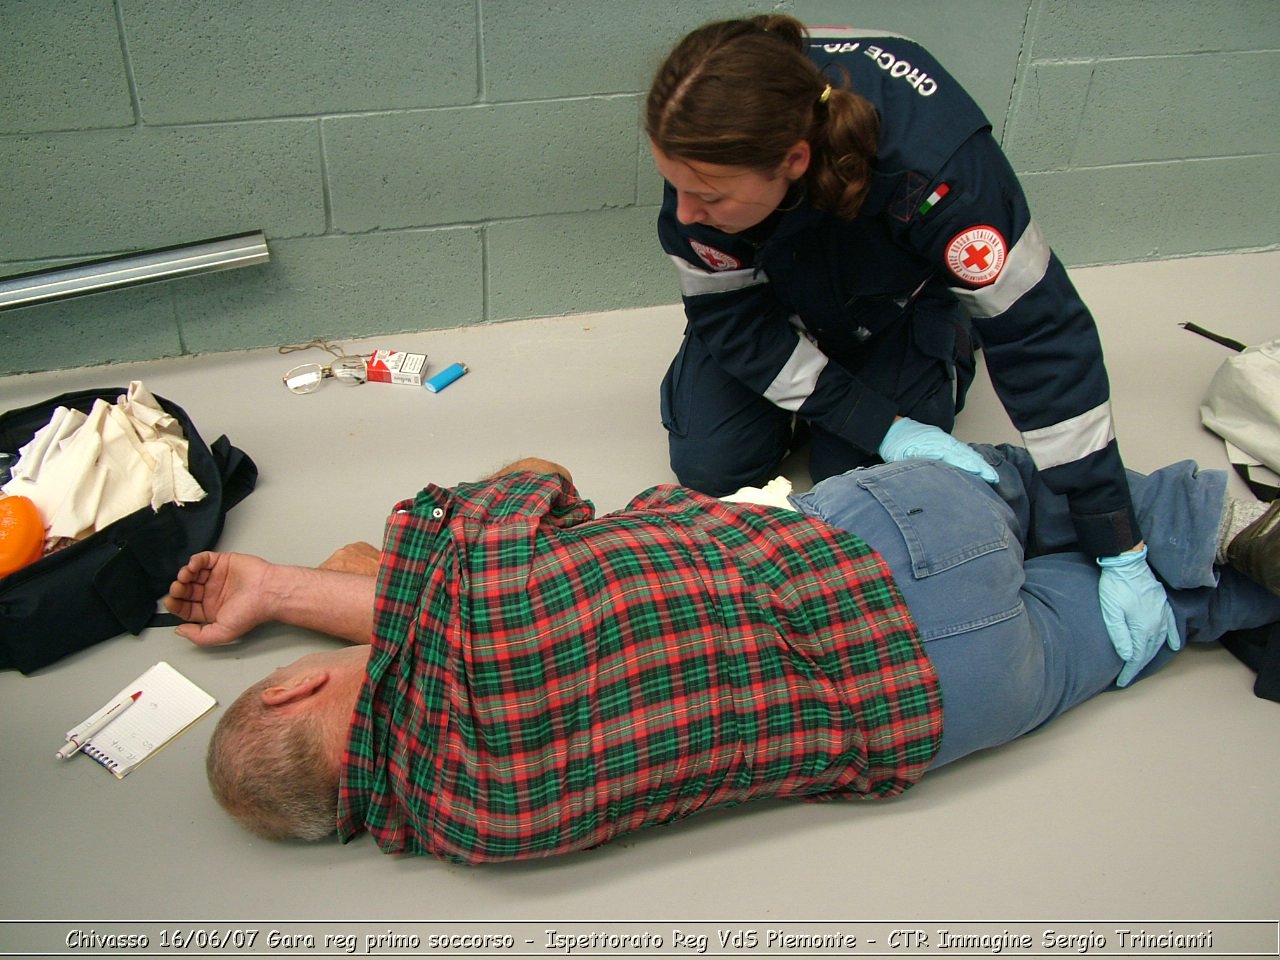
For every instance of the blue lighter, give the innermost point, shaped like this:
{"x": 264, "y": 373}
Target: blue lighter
{"x": 445, "y": 377}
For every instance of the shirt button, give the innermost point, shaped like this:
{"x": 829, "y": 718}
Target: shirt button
{"x": 437, "y": 513}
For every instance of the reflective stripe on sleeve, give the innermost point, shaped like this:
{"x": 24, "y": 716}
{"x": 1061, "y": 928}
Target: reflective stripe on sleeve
{"x": 1028, "y": 261}
{"x": 798, "y": 376}
{"x": 1071, "y": 440}
{"x": 695, "y": 282}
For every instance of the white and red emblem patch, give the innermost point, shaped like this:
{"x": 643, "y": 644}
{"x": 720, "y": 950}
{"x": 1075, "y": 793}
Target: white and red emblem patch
{"x": 715, "y": 259}
{"x": 977, "y": 255}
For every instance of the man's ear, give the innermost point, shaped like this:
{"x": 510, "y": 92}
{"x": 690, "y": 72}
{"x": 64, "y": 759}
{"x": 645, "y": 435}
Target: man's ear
{"x": 295, "y": 689}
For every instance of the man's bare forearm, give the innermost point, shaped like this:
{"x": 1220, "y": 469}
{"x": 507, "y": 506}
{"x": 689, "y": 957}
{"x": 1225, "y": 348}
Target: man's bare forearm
{"x": 339, "y": 604}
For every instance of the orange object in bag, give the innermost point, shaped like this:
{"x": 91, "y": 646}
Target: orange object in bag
{"x": 21, "y": 534}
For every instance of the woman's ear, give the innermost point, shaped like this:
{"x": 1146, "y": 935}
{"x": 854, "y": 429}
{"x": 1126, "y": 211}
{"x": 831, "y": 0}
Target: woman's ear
{"x": 796, "y": 163}
{"x": 295, "y": 688}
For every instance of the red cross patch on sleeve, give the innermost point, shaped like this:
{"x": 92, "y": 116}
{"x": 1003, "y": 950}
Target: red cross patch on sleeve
{"x": 715, "y": 259}
{"x": 976, "y": 256}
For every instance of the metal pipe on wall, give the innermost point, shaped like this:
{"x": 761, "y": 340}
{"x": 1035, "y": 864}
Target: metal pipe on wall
{"x": 166, "y": 263}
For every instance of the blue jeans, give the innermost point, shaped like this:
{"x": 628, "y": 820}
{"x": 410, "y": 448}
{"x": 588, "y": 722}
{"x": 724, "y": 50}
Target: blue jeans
{"x": 1007, "y": 611}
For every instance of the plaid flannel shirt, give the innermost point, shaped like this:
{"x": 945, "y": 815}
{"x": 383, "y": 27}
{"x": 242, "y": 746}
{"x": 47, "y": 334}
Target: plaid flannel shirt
{"x": 542, "y": 680}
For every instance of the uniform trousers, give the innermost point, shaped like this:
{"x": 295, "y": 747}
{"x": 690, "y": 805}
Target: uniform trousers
{"x": 721, "y": 435}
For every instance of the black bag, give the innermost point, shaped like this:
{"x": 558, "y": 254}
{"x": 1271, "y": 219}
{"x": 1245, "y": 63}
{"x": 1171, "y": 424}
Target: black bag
{"x": 109, "y": 583}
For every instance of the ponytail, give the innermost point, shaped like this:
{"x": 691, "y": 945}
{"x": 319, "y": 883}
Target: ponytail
{"x": 843, "y": 144}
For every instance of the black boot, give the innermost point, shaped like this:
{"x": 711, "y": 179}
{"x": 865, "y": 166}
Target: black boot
{"x": 1255, "y": 550}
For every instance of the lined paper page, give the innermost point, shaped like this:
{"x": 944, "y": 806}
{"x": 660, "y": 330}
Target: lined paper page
{"x": 169, "y": 704}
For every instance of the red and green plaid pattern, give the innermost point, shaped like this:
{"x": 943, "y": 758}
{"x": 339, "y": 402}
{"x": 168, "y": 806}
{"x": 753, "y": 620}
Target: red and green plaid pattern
{"x": 542, "y": 680}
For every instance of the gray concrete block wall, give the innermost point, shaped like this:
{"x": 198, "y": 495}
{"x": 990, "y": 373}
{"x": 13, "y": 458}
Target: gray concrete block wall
{"x": 1147, "y": 130}
{"x": 429, "y": 165}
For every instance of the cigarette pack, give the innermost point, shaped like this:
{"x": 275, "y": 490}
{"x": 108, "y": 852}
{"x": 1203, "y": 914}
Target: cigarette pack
{"x": 392, "y": 366}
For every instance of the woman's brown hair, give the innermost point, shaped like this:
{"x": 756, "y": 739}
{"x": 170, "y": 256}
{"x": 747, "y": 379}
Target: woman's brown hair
{"x": 742, "y": 92}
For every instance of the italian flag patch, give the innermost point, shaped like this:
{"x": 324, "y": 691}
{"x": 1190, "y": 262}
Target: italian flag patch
{"x": 934, "y": 198}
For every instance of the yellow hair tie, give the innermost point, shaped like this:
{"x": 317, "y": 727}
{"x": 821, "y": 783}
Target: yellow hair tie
{"x": 826, "y": 94}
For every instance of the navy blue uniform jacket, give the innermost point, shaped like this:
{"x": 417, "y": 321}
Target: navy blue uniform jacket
{"x": 795, "y": 309}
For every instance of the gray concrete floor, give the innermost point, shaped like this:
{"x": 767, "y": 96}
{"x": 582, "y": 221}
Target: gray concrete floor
{"x": 1156, "y": 804}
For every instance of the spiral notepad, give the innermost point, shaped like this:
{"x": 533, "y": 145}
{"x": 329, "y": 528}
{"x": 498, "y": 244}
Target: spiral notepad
{"x": 169, "y": 704}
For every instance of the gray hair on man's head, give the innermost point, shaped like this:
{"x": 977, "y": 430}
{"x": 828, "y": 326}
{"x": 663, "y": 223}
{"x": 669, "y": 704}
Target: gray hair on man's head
{"x": 268, "y": 769}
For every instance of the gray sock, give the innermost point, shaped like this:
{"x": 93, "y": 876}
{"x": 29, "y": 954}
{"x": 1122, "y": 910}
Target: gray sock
{"x": 1236, "y": 515}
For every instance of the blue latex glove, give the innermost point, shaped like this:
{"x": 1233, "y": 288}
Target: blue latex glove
{"x": 1136, "y": 611}
{"x": 913, "y": 440}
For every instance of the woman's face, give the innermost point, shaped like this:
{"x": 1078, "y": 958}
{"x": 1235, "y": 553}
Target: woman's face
{"x": 731, "y": 199}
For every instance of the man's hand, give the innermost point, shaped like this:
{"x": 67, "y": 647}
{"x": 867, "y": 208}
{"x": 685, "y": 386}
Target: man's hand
{"x": 910, "y": 439}
{"x": 360, "y": 557}
{"x": 1136, "y": 611}
{"x": 533, "y": 464}
{"x": 221, "y": 594}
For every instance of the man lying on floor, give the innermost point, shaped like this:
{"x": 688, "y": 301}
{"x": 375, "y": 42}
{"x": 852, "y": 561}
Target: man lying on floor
{"x": 533, "y": 680}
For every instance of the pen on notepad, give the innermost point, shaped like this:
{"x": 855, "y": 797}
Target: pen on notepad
{"x": 81, "y": 737}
